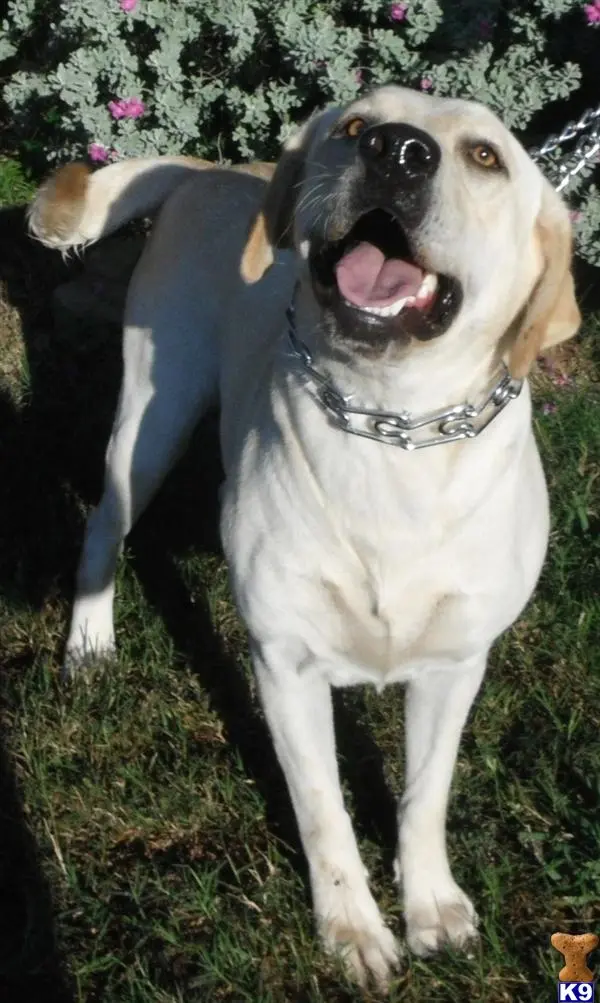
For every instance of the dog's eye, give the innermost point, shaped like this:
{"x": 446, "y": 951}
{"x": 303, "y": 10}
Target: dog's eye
{"x": 484, "y": 156}
{"x": 354, "y": 127}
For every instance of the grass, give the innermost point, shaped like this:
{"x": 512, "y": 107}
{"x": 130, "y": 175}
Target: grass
{"x": 15, "y": 187}
{"x": 149, "y": 849}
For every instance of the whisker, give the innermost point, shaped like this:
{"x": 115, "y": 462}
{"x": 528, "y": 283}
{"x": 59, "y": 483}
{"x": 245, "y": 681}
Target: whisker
{"x": 310, "y": 191}
{"x": 315, "y": 177}
{"x": 311, "y": 200}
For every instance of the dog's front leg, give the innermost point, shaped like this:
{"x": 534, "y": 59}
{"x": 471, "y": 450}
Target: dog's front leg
{"x": 297, "y": 704}
{"x": 436, "y": 910}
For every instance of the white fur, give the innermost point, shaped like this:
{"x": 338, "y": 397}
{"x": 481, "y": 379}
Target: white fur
{"x": 351, "y": 562}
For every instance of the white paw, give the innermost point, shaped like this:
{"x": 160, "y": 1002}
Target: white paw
{"x": 354, "y": 929}
{"x": 91, "y": 638}
{"x": 83, "y": 656}
{"x": 440, "y": 917}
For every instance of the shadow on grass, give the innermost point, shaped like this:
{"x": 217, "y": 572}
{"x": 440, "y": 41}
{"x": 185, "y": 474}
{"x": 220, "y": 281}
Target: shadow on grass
{"x": 51, "y": 449}
{"x": 31, "y": 967}
{"x": 36, "y": 516}
{"x": 55, "y": 412}
{"x": 52, "y": 443}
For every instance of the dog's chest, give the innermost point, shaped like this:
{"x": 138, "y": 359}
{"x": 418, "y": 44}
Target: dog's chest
{"x": 422, "y": 600}
{"x": 387, "y": 628}
{"x": 378, "y": 570}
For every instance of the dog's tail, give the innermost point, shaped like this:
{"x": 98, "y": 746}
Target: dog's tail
{"x": 76, "y": 206}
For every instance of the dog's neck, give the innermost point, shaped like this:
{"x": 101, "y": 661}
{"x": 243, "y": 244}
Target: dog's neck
{"x": 416, "y": 377}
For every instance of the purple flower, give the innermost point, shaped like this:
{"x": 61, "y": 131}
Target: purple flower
{"x": 127, "y": 5}
{"x": 126, "y": 108}
{"x": 426, "y": 83}
{"x": 98, "y": 152}
{"x": 549, "y": 407}
{"x": 358, "y": 76}
{"x": 592, "y": 12}
{"x": 575, "y": 216}
{"x": 398, "y": 11}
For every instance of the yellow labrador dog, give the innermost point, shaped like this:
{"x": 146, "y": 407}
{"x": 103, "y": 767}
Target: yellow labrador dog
{"x": 367, "y": 319}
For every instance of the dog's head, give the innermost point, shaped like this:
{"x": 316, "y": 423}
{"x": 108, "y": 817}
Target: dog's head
{"x": 415, "y": 217}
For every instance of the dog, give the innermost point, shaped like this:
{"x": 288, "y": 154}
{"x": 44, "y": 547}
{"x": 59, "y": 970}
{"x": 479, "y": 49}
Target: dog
{"x": 367, "y": 319}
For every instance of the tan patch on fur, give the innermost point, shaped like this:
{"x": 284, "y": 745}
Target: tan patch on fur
{"x": 552, "y": 315}
{"x": 259, "y": 169}
{"x": 60, "y": 202}
{"x": 272, "y": 228}
{"x": 196, "y": 162}
{"x": 258, "y": 253}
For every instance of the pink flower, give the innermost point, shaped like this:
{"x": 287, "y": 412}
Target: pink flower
{"x": 398, "y": 11}
{"x": 426, "y": 83}
{"x": 135, "y": 108}
{"x": 98, "y": 152}
{"x": 559, "y": 379}
{"x": 127, "y": 5}
{"x": 549, "y": 407}
{"x": 116, "y": 109}
{"x": 358, "y": 76}
{"x": 575, "y": 216}
{"x": 126, "y": 108}
{"x": 592, "y": 12}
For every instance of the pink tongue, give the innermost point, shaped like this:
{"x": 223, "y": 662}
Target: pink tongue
{"x": 365, "y": 277}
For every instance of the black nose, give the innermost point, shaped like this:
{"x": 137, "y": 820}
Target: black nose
{"x": 400, "y": 153}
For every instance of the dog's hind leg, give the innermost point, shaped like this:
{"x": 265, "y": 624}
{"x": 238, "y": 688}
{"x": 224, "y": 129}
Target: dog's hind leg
{"x": 169, "y": 380}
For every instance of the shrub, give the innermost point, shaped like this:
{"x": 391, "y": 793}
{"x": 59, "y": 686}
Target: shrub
{"x": 225, "y": 79}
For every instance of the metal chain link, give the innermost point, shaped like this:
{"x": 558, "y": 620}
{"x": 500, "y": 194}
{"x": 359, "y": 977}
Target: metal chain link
{"x": 569, "y": 132}
{"x": 587, "y": 147}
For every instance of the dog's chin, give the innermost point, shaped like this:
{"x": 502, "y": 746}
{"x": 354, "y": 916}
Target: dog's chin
{"x": 374, "y": 290}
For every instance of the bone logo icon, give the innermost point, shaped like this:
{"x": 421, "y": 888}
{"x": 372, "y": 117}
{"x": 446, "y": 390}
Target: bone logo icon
{"x": 576, "y": 980}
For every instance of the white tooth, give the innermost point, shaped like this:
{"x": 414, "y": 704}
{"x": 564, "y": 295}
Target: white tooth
{"x": 428, "y": 286}
{"x": 387, "y": 311}
{"x": 400, "y": 304}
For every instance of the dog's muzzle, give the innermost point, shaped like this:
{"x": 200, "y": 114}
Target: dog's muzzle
{"x": 372, "y": 276}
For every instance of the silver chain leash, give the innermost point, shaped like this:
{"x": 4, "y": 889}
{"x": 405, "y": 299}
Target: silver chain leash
{"x": 588, "y": 128}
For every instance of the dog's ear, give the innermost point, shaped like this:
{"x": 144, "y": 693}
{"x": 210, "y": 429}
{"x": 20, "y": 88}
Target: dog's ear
{"x": 552, "y": 314}
{"x": 273, "y": 225}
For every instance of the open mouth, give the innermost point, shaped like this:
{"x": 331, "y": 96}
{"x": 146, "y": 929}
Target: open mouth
{"x": 372, "y": 278}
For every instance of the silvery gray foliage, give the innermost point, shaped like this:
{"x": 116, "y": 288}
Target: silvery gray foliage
{"x": 587, "y": 225}
{"x": 228, "y": 78}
